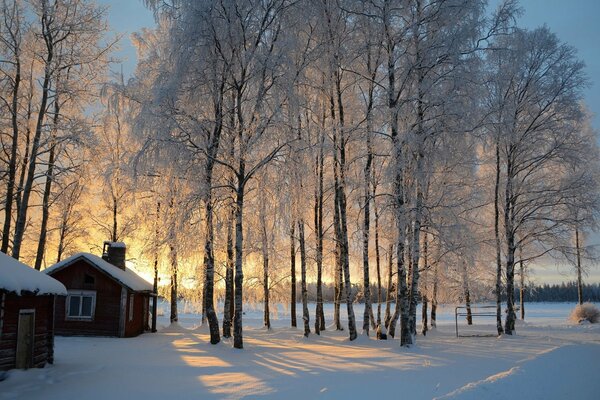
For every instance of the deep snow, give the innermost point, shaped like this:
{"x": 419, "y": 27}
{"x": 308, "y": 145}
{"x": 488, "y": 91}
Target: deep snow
{"x": 548, "y": 358}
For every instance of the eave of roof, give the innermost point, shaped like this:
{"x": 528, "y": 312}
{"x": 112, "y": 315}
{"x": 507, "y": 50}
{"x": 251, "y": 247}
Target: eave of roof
{"x": 126, "y": 278}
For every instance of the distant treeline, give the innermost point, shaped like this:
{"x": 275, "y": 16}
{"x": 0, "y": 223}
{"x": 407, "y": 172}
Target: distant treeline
{"x": 561, "y": 292}
{"x": 566, "y": 292}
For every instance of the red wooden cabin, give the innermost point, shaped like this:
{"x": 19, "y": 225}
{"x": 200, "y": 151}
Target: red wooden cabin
{"x": 104, "y": 298}
{"x": 27, "y": 301}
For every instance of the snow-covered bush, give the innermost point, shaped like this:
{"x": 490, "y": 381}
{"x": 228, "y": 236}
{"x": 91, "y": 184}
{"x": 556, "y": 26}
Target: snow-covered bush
{"x": 585, "y": 312}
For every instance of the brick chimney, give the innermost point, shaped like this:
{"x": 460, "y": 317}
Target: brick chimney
{"x": 114, "y": 253}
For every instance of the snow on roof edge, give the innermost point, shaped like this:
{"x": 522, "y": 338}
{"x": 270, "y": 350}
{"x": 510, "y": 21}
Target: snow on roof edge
{"x": 126, "y": 277}
{"x": 17, "y": 277}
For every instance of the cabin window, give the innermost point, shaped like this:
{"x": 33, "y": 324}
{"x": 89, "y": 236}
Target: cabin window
{"x": 81, "y": 304}
{"x": 131, "y": 297}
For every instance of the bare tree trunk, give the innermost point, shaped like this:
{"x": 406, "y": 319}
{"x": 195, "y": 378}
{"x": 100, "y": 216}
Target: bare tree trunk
{"x": 115, "y": 225}
{"x": 14, "y": 114}
{"x": 499, "y": 327}
{"x": 318, "y": 214}
{"x": 209, "y": 268}
{"x": 293, "y": 273}
{"x": 579, "y": 271}
{"x": 305, "y": 315}
{"x": 204, "y": 312}
{"x": 67, "y": 225}
{"x": 419, "y": 182}
{"x": 173, "y": 256}
{"x": 341, "y": 199}
{"x": 209, "y": 256}
{"x": 25, "y": 160}
{"x": 265, "y": 256}
{"x": 155, "y": 281}
{"x": 413, "y": 290}
{"x": 522, "y": 285}
{"x": 377, "y": 261}
{"x": 266, "y": 311}
{"x": 398, "y": 194}
{"x": 62, "y": 235}
{"x": 45, "y": 210}
{"x": 390, "y": 288}
{"x": 434, "y": 296}
{"x": 228, "y": 309}
{"x": 424, "y": 321}
{"x": 409, "y": 279}
{"x": 48, "y": 189}
{"x": 155, "y": 296}
{"x": 467, "y": 294}
{"x": 368, "y": 313}
{"x": 47, "y": 33}
{"x": 338, "y": 277}
{"x": 509, "y": 325}
{"x": 401, "y": 294}
{"x": 402, "y": 298}
{"x": 229, "y": 303}
{"x": 396, "y": 315}
{"x": 238, "y": 340}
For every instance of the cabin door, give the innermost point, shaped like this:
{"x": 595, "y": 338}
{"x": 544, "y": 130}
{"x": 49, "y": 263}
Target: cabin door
{"x": 25, "y": 336}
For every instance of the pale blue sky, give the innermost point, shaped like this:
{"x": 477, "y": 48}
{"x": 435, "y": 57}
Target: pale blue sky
{"x": 126, "y": 17}
{"x": 576, "y": 22}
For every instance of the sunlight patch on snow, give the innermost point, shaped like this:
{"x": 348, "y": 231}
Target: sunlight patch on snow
{"x": 195, "y": 357}
{"x": 205, "y": 362}
{"x": 234, "y": 385}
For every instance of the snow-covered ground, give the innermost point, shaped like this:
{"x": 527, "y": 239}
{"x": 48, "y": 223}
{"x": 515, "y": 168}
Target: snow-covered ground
{"x": 548, "y": 359}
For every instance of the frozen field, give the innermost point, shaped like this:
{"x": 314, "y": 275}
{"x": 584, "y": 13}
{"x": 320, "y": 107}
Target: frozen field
{"x": 548, "y": 359}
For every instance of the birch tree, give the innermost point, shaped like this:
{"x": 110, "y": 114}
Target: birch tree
{"x": 70, "y": 32}
{"x": 11, "y": 65}
{"x": 537, "y": 105}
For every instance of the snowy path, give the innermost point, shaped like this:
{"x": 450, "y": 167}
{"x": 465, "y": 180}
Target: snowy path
{"x": 545, "y": 360}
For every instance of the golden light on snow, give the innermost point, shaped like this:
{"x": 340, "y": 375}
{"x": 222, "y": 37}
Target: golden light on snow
{"x": 195, "y": 357}
{"x": 234, "y": 383}
{"x": 204, "y": 361}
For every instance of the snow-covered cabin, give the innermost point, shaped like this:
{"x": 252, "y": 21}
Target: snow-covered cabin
{"x": 105, "y": 298}
{"x": 27, "y": 300}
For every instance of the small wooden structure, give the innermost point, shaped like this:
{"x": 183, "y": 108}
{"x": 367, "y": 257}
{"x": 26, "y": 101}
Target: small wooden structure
{"x": 27, "y": 300}
{"x": 104, "y": 297}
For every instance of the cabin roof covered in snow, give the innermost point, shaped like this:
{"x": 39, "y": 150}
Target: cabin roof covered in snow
{"x": 19, "y": 278}
{"x": 125, "y": 277}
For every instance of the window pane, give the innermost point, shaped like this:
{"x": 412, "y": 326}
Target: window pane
{"x": 131, "y": 299}
{"x": 74, "y": 306}
{"x": 86, "y": 306}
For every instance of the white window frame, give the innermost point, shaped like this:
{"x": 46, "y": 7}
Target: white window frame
{"x": 131, "y": 301}
{"x": 81, "y": 294}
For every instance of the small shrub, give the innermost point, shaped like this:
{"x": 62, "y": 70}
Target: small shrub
{"x": 585, "y": 312}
